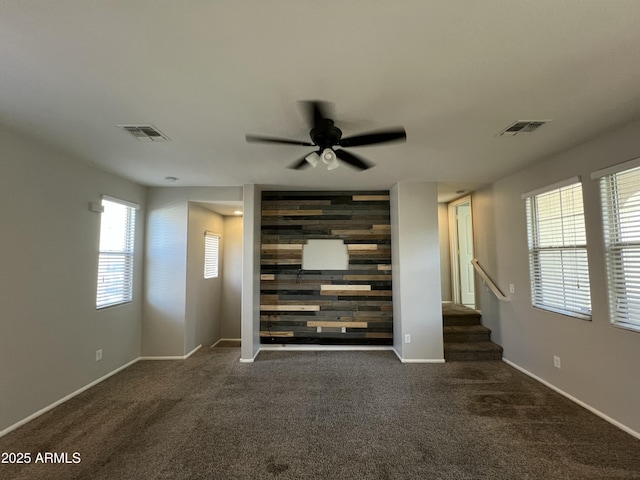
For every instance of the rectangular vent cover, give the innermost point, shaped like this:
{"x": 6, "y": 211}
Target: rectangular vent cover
{"x": 522, "y": 127}
{"x": 146, "y": 133}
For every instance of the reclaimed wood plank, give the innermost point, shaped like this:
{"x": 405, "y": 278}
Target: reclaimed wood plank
{"x": 378, "y": 335}
{"x": 361, "y": 246}
{"x": 316, "y": 323}
{"x": 355, "y": 293}
{"x": 272, "y": 333}
{"x": 367, "y": 277}
{"x": 345, "y": 287}
{"x": 290, "y": 308}
{"x": 291, "y": 213}
{"x": 370, "y": 198}
{"x": 287, "y": 203}
{"x": 281, "y": 246}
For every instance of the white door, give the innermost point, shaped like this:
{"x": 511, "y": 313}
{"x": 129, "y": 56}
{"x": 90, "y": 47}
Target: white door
{"x": 461, "y": 238}
{"x": 465, "y": 255}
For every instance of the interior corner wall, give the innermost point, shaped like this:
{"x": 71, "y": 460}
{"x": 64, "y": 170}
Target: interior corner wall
{"x": 203, "y": 295}
{"x": 445, "y": 259}
{"x": 250, "y": 321}
{"x": 50, "y": 326}
{"x": 599, "y": 361}
{"x": 164, "y": 330}
{"x": 231, "y": 278}
{"x": 417, "y": 305}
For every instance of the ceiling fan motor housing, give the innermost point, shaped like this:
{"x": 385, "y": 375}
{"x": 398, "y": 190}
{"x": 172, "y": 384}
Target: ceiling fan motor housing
{"x": 326, "y": 135}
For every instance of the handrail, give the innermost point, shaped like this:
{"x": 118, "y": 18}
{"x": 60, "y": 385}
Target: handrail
{"x": 490, "y": 283}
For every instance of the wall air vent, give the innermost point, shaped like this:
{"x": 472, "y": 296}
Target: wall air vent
{"x": 146, "y": 133}
{"x": 522, "y": 127}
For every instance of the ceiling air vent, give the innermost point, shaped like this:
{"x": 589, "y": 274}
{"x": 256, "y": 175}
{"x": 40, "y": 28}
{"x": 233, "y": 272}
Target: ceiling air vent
{"x": 146, "y": 133}
{"x": 522, "y": 127}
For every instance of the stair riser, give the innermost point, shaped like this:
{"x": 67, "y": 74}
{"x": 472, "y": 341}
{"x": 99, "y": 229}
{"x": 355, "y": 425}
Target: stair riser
{"x": 466, "y": 337}
{"x": 460, "y": 320}
{"x": 472, "y": 356}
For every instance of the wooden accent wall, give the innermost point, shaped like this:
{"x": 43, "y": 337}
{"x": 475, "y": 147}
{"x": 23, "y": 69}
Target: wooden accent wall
{"x": 326, "y": 306}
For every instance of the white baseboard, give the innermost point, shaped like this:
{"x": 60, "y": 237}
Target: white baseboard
{"x": 226, "y": 340}
{"x": 418, "y": 360}
{"x": 597, "y": 412}
{"x": 313, "y": 348}
{"x": 64, "y": 399}
{"x": 323, "y": 348}
{"x": 173, "y": 357}
{"x": 249, "y": 360}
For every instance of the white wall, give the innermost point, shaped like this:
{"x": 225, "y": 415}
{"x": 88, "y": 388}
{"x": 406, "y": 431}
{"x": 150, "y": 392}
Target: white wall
{"x": 50, "y": 328}
{"x": 250, "y": 322}
{"x": 204, "y": 295}
{"x": 417, "y": 307}
{"x": 165, "y": 272}
{"x": 231, "y": 278}
{"x": 599, "y": 362}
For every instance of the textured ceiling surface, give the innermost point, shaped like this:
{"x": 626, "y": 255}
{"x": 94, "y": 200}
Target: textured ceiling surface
{"x": 453, "y": 73}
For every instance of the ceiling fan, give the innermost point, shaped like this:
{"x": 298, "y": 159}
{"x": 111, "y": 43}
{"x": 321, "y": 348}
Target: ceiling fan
{"x": 327, "y": 137}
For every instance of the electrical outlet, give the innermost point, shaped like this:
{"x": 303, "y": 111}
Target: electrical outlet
{"x": 512, "y": 288}
{"x": 556, "y": 362}
{"x": 407, "y": 338}
{"x": 98, "y": 355}
{"x": 344, "y": 329}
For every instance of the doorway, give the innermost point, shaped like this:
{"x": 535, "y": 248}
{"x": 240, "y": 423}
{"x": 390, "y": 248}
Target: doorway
{"x": 461, "y": 238}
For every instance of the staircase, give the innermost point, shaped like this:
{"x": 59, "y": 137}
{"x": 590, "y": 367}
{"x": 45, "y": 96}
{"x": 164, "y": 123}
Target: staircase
{"x": 465, "y": 339}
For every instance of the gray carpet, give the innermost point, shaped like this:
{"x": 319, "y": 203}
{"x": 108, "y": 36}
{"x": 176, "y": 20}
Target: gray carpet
{"x": 327, "y": 415}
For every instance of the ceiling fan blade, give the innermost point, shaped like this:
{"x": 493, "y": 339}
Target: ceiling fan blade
{"x": 351, "y": 159}
{"x": 300, "y": 164}
{"x": 382, "y": 136}
{"x": 316, "y": 111}
{"x": 261, "y": 139}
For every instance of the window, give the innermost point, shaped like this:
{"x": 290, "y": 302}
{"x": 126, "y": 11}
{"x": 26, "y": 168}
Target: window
{"x": 115, "y": 264}
{"x": 211, "y": 245}
{"x": 558, "y": 250}
{"x": 620, "y": 197}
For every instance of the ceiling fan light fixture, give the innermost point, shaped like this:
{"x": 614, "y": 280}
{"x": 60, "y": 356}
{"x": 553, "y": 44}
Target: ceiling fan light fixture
{"x": 312, "y": 159}
{"x": 326, "y": 136}
{"x": 329, "y": 159}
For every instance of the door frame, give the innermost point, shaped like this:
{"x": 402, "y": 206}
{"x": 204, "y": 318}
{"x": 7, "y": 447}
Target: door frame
{"x": 453, "y": 246}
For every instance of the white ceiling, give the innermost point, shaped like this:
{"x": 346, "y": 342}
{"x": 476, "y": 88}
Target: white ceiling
{"x": 452, "y": 72}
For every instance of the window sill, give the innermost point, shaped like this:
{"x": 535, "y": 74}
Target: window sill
{"x": 564, "y": 313}
{"x": 105, "y": 307}
{"x": 626, "y": 326}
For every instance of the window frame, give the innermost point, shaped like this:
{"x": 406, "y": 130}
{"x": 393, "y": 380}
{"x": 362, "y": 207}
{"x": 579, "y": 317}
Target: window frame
{"x": 559, "y": 251}
{"x": 617, "y": 223}
{"x": 106, "y": 257}
{"x": 211, "y": 265}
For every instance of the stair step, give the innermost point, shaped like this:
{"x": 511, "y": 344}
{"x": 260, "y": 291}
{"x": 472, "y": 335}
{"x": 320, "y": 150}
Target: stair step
{"x": 466, "y": 333}
{"x": 460, "y": 319}
{"x": 470, "y": 351}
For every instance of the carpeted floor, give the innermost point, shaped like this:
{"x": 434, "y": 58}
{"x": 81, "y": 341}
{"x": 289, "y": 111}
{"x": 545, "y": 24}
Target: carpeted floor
{"x": 325, "y": 415}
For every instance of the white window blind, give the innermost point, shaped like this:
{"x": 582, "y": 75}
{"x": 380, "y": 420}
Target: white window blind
{"x": 558, "y": 251}
{"x": 211, "y": 246}
{"x": 115, "y": 264}
{"x": 620, "y": 196}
